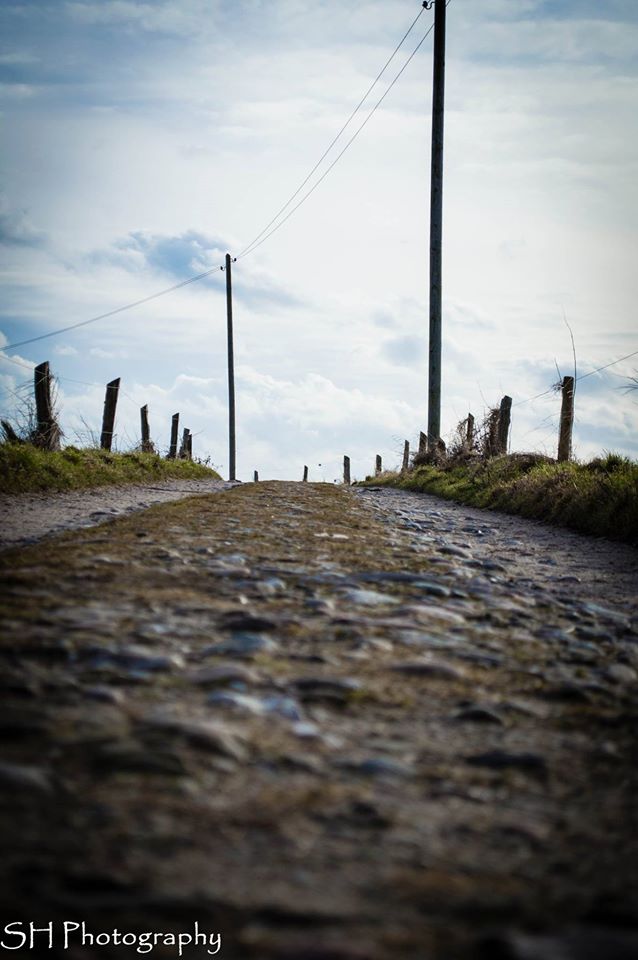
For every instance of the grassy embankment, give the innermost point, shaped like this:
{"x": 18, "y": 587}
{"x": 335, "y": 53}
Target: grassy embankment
{"x": 598, "y": 498}
{"x": 26, "y": 469}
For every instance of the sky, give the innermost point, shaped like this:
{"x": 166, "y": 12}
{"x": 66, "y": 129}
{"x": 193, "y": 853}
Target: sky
{"x": 142, "y": 141}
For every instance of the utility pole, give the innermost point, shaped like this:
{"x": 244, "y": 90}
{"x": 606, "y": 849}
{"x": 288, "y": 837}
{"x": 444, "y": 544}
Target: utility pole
{"x": 231, "y": 373}
{"x": 436, "y": 223}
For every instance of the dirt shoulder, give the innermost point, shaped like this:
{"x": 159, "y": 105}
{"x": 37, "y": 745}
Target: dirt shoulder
{"x": 28, "y": 517}
{"x": 291, "y": 715}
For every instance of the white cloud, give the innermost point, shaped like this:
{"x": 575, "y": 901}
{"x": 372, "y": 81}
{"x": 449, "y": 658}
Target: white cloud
{"x": 106, "y": 354}
{"x": 161, "y": 168}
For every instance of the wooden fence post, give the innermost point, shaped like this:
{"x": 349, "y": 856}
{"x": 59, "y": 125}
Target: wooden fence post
{"x": 378, "y": 467}
{"x": 423, "y": 442}
{"x": 406, "y": 457}
{"x": 147, "y": 446}
{"x": 48, "y": 432}
{"x": 172, "y": 452}
{"x": 108, "y": 418}
{"x": 305, "y": 474}
{"x": 189, "y": 446}
{"x": 255, "y": 477}
{"x": 504, "y": 420}
{"x": 346, "y": 471}
{"x": 566, "y": 420}
{"x": 469, "y": 436}
{"x": 183, "y": 450}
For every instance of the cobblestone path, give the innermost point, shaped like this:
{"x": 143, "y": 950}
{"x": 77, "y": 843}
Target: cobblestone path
{"x": 326, "y": 724}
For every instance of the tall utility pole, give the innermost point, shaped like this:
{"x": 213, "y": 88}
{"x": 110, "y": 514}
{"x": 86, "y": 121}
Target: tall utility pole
{"x": 231, "y": 373}
{"x": 436, "y": 222}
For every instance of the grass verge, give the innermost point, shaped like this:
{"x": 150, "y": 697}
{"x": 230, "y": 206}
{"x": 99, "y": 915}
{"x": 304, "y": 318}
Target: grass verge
{"x": 598, "y": 498}
{"x": 26, "y": 469}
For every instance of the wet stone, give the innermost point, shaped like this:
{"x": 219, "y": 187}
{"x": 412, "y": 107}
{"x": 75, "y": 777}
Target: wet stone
{"x": 388, "y": 576}
{"x": 240, "y": 620}
{"x": 437, "y": 669}
{"x": 381, "y": 767}
{"x": 369, "y": 598}
{"x": 427, "y": 612}
{"x": 434, "y": 589}
{"x": 226, "y": 674}
{"x": 451, "y": 551}
{"x": 242, "y": 644}
{"x": 580, "y": 653}
{"x": 270, "y": 587}
{"x": 604, "y": 613}
{"x": 241, "y": 702}
{"x": 415, "y": 638}
{"x": 532, "y": 763}
{"x": 131, "y": 756}
{"x": 16, "y": 777}
{"x": 319, "y": 605}
{"x": 594, "y": 633}
{"x": 331, "y": 689}
{"x": 133, "y": 659}
{"x": 476, "y": 714}
{"x": 207, "y": 735}
{"x": 489, "y": 661}
{"x": 104, "y": 694}
{"x": 621, "y": 673}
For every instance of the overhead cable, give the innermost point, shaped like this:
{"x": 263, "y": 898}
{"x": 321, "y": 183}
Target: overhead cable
{"x": 266, "y": 232}
{"x": 250, "y": 246}
{"x": 578, "y": 379}
{"x": 339, "y": 155}
{"x": 112, "y": 313}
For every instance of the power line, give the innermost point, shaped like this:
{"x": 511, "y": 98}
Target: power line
{"x": 18, "y": 363}
{"x": 578, "y": 379}
{"x": 348, "y": 144}
{"x": 112, "y": 313}
{"x": 537, "y": 397}
{"x": 613, "y": 362}
{"x": 249, "y": 247}
{"x": 260, "y": 238}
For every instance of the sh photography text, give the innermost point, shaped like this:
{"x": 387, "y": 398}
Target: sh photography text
{"x": 30, "y": 936}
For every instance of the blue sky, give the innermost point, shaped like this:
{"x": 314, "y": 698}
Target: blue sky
{"x": 144, "y": 139}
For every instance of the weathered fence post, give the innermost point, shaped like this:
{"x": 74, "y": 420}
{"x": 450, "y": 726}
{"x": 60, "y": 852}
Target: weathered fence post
{"x": 504, "y": 419}
{"x": 183, "y": 450}
{"x": 189, "y": 446}
{"x": 172, "y": 452}
{"x": 108, "y": 418}
{"x": 255, "y": 477}
{"x": 48, "y": 432}
{"x": 305, "y": 474}
{"x": 566, "y": 420}
{"x": 147, "y": 446}
{"x": 406, "y": 457}
{"x": 346, "y": 471}
{"x": 469, "y": 436}
{"x": 423, "y": 442}
{"x": 378, "y": 467}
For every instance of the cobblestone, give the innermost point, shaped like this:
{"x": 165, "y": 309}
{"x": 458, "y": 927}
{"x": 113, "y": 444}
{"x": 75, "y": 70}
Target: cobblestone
{"x": 286, "y": 713}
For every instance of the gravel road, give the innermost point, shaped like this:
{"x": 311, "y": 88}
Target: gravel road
{"x": 326, "y": 724}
